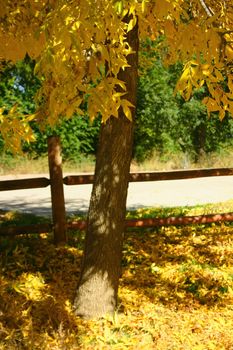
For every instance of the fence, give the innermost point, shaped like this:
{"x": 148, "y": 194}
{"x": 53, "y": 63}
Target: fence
{"x": 56, "y": 183}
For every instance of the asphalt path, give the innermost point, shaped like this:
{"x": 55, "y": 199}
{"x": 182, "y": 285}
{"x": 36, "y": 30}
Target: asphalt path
{"x": 167, "y": 193}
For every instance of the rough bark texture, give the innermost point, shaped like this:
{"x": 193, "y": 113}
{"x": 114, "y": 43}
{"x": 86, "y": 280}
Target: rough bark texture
{"x": 98, "y": 286}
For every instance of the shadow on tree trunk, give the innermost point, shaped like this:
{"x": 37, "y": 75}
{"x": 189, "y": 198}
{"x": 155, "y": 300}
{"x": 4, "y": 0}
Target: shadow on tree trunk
{"x": 101, "y": 267}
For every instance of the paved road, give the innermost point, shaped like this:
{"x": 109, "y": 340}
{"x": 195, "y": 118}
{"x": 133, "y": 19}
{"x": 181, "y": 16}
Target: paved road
{"x": 141, "y": 194}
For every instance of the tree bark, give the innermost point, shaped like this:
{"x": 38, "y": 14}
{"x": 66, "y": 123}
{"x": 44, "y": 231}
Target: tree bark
{"x": 101, "y": 267}
{"x": 199, "y": 141}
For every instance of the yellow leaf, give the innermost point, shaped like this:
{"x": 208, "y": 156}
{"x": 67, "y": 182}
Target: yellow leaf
{"x": 127, "y": 111}
{"x": 132, "y": 9}
{"x": 143, "y": 5}
{"x": 132, "y": 23}
{"x": 119, "y": 7}
{"x": 211, "y": 105}
{"x": 229, "y": 52}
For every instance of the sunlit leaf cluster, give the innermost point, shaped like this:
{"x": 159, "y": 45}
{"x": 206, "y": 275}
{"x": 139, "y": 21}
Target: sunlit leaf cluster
{"x": 15, "y": 128}
{"x": 80, "y": 47}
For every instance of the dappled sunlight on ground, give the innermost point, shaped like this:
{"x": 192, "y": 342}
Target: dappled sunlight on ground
{"x": 176, "y": 292}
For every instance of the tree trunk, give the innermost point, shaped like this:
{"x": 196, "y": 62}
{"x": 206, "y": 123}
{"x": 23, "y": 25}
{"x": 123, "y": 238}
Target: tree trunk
{"x": 101, "y": 268}
{"x": 199, "y": 141}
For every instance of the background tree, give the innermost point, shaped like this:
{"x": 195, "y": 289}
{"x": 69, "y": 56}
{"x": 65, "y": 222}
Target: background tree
{"x": 169, "y": 125}
{"x": 82, "y": 49}
{"x": 18, "y": 86}
{"x": 165, "y": 124}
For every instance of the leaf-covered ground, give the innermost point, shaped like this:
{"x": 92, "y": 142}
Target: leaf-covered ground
{"x": 176, "y": 292}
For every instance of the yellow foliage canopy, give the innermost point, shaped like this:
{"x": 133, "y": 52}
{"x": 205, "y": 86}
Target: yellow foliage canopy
{"x": 80, "y": 47}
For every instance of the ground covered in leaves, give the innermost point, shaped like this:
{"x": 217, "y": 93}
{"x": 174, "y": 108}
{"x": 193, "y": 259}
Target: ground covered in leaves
{"x": 176, "y": 292}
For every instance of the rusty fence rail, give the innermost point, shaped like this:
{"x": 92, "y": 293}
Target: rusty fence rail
{"x": 155, "y": 175}
{"x": 56, "y": 183}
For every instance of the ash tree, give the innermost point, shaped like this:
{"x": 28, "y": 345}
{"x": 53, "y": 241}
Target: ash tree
{"x": 86, "y": 50}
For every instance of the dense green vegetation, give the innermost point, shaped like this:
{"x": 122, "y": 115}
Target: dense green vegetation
{"x": 18, "y": 84}
{"x": 166, "y": 124}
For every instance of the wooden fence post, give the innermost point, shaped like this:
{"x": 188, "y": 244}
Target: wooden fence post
{"x": 57, "y": 191}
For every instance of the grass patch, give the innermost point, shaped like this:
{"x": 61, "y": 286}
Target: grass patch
{"x": 176, "y": 292}
{"x": 16, "y": 165}
{"x": 15, "y": 218}
{"x": 172, "y": 161}
{"x": 164, "y": 212}
{"x": 26, "y": 164}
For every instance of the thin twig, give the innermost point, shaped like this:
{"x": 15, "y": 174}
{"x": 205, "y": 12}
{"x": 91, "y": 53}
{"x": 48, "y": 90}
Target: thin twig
{"x": 207, "y": 9}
